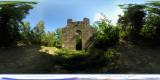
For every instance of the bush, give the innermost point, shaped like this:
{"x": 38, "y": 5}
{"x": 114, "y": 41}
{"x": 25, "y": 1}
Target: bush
{"x": 112, "y": 56}
{"x": 69, "y": 53}
{"x": 80, "y": 61}
{"x": 106, "y": 34}
{"x": 47, "y": 39}
{"x": 123, "y": 35}
{"x": 58, "y": 38}
{"x": 105, "y": 61}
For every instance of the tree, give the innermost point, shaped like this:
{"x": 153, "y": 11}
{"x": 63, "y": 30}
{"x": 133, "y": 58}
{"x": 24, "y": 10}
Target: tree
{"x": 38, "y": 31}
{"x": 151, "y": 28}
{"x": 153, "y": 7}
{"x": 106, "y": 34}
{"x": 48, "y": 39}
{"x": 25, "y": 31}
{"x": 11, "y": 15}
{"x": 58, "y": 38}
{"x": 142, "y": 20}
{"x": 133, "y": 19}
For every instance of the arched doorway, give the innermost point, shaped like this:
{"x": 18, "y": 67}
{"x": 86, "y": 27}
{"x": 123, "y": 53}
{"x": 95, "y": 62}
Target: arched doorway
{"x": 78, "y": 40}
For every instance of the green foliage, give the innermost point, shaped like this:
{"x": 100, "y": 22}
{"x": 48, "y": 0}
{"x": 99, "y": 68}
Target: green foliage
{"x": 47, "y": 39}
{"x": 123, "y": 34}
{"x": 106, "y": 34}
{"x": 142, "y": 20}
{"x": 4, "y": 3}
{"x": 151, "y": 25}
{"x": 111, "y": 54}
{"x": 11, "y": 15}
{"x": 151, "y": 28}
{"x": 81, "y": 61}
{"x": 44, "y": 39}
{"x": 25, "y": 31}
{"x": 50, "y": 39}
{"x": 153, "y": 7}
{"x": 132, "y": 20}
{"x": 58, "y": 38}
{"x": 37, "y": 35}
{"x": 39, "y": 31}
{"x": 69, "y": 53}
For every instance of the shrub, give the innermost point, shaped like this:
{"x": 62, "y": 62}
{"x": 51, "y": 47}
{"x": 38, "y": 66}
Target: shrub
{"x": 106, "y": 34}
{"x": 47, "y": 39}
{"x": 81, "y": 61}
{"x": 69, "y": 53}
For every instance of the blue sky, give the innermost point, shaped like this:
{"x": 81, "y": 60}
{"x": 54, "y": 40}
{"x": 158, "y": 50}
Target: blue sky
{"x": 55, "y": 13}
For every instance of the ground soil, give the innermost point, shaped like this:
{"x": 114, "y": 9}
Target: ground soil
{"x": 26, "y": 59}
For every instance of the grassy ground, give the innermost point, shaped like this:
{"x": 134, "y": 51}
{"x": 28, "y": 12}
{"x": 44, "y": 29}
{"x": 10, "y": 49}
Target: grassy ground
{"x": 49, "y": 50}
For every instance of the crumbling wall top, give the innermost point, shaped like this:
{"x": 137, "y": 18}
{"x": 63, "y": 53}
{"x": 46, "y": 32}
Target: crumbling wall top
{"x": 86, "y": 20}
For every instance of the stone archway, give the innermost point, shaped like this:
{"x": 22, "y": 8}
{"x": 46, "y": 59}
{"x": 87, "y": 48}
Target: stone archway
{"x": 78, "y": 40}
{"x": 76, "y": 34}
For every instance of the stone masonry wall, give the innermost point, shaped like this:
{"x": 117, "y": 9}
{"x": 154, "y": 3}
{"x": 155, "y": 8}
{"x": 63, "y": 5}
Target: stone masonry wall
{"x": 70, "y": 31}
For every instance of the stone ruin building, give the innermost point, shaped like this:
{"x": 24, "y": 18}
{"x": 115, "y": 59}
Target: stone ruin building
{"x": 77, "y": 34}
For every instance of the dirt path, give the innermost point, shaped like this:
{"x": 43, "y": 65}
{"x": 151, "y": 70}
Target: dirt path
{"x": 30, "y": 60}
{"x": 24, "y": 60}
{"x": 141, "y": 59}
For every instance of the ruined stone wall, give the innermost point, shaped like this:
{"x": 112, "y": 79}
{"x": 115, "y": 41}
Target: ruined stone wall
{"x": 70, "y": 31}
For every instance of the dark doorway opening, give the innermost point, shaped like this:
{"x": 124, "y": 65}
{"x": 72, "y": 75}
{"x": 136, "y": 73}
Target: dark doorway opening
{"x": 78, "y": 40}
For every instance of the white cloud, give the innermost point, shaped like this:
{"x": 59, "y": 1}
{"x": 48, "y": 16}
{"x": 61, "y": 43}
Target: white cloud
{"x": 112, "y": 12}
{"x": 98, "y": 17}
{"x": 113, "y": 16}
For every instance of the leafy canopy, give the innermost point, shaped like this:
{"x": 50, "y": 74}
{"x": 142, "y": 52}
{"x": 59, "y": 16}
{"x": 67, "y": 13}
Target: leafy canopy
{"x": 11, "y": 15}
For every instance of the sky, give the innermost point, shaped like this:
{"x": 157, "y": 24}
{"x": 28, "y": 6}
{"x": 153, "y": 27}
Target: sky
{"x": 55, "y": 13}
